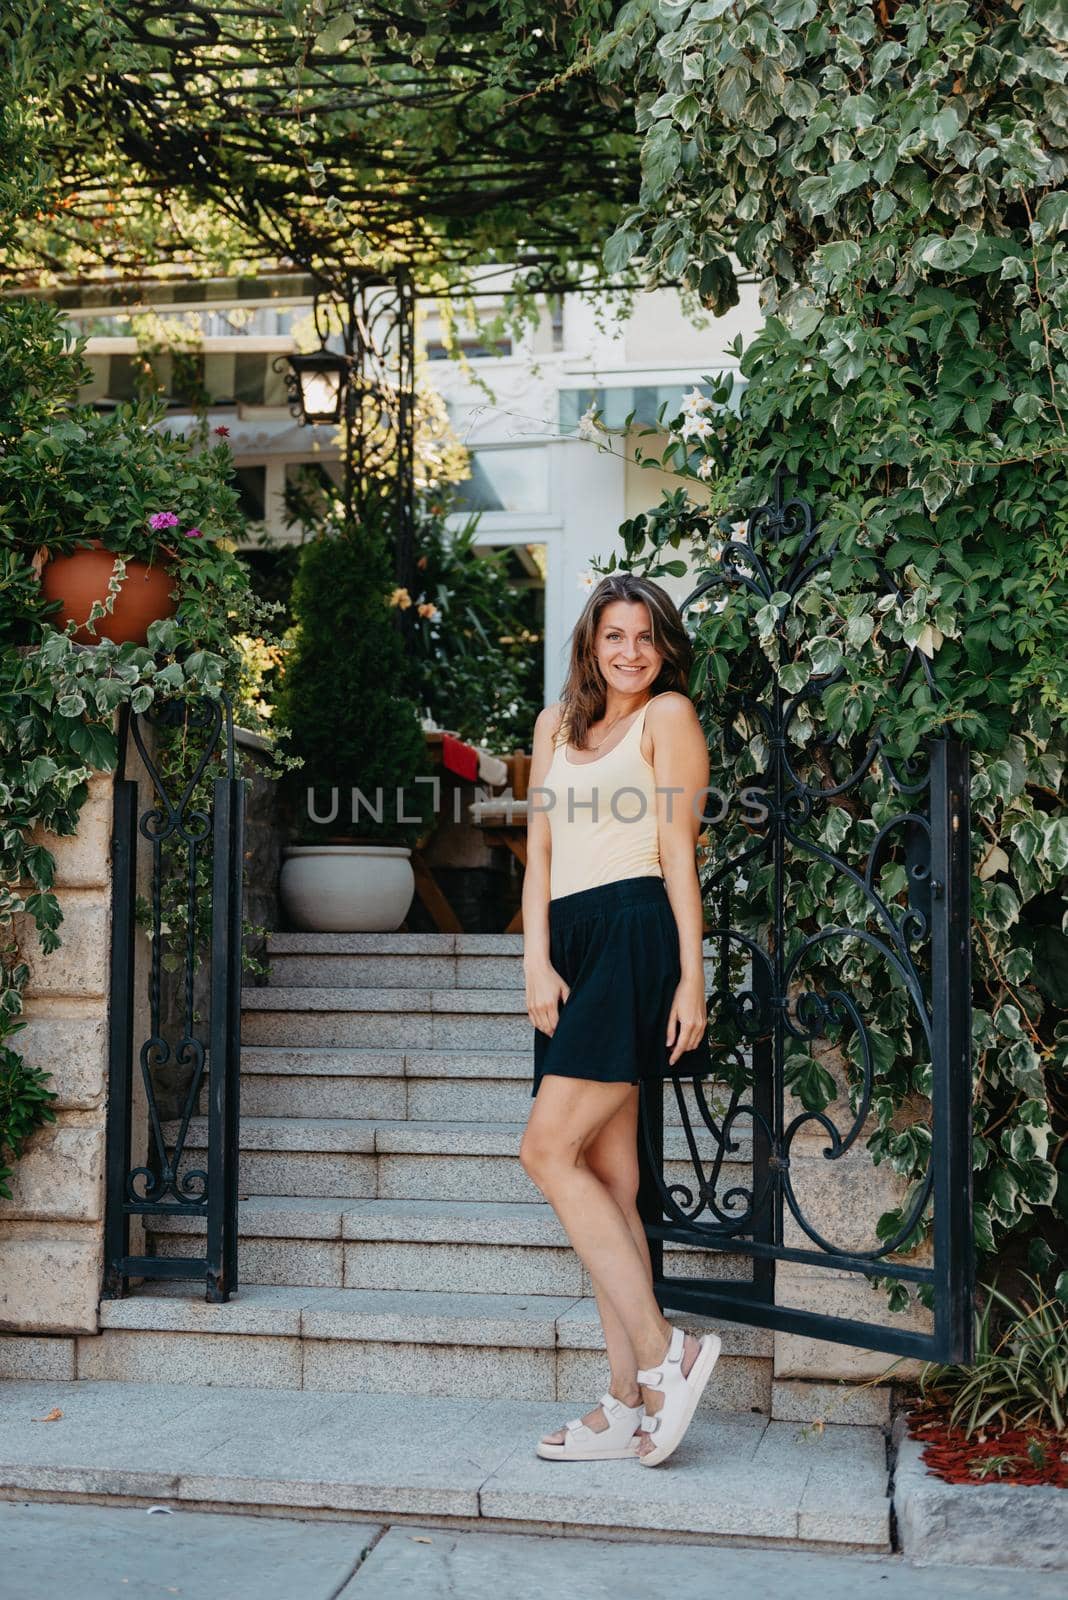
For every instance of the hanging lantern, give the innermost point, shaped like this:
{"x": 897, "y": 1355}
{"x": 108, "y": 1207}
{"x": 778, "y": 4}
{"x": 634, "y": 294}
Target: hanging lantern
{"x": 317, "y": 385}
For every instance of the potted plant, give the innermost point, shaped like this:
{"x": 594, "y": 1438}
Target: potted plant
{"x": 124, "y": 521}
{"x": 67, "y": 476}
{"x": 356, "y": 806}
{"x": 82, "y": 582}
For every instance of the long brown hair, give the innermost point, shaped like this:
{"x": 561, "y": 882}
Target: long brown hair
{"x": 583, "y": 697}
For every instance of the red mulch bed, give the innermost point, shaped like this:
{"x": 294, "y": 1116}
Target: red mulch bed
{"x": 1013, "y": 1455}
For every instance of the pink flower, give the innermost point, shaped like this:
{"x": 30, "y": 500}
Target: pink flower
{"x": 162, "y": 519}
{"x": 193, "y": 533}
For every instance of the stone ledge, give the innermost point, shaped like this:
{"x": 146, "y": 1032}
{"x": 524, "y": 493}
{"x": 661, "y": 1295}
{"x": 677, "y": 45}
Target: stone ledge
{"x": 795, "y": 1400}
{"x": 982, "y": 1524}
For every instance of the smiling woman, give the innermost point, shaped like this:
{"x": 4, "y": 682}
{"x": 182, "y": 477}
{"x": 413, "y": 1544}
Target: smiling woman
{"x": 615, "y": 983}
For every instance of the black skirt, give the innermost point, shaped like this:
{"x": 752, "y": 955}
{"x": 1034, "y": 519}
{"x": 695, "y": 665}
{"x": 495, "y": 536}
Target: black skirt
{"x": 616, "y": 946}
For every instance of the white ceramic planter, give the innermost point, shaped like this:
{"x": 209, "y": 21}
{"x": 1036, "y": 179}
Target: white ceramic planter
{"x": 346, "y": 888}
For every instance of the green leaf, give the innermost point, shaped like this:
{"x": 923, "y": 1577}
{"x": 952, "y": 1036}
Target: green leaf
{"x": 825, "y": 654}
{"x": 937, "y": 487}
{"x": 982, "y": 1231}
{"x": 839, "y": 256}
{"x": 732, "y": 87}
{"x": 96, "y": 745}
{"x": 794, "y": 677}
{"x": 948, "y": 254}
{"x": 620, "y": 249}
{"x": 1028, "y": 407}
{"x": 660, "y": 158}
{"x": 1055, "y": 849}
{"x": 335, "y": 33}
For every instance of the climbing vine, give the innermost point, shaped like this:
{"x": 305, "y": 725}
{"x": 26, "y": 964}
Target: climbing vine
{"x": 896, "y": 176}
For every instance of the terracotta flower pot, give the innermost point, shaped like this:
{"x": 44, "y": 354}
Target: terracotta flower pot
{"x": 83, "y": 576}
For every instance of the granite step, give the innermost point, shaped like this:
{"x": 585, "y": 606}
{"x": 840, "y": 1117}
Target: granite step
{"x": 369, "y": 961}
{"x": 425, "y": 1085}
{"x": 388, "y": 1341}
{"x": 439, "y": 1462}
{"x": 398, "y": 942}
{"x": 365, "y": 1158}
{"x": 516, "y": 1247}
{"x": 424, "y": 1017}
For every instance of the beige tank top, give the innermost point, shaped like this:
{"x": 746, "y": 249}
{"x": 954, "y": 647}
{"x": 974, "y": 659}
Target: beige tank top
{"x": 602, "y": 816}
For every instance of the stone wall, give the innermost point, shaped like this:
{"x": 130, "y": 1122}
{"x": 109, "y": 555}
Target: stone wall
{"x": 51, "y": 1230}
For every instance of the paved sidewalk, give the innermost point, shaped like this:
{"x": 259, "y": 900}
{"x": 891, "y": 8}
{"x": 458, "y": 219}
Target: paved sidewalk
{"x": 103, "y": 1552}
{"x": 393, "y": 1456}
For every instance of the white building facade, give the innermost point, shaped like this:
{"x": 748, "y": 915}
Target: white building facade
{"x": 556, "y": 497}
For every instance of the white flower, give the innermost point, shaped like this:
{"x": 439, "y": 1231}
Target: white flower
{"x": 587, "y": 423}
{"x": 740, "y": 531}
{"x": 696, "y": 427}
{"x": 706, "y": 468}
{"x": 695, "y": 401}
{"x": 588, "y": 579}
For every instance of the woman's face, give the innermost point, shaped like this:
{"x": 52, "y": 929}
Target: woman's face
{"x": 624, "y": 647}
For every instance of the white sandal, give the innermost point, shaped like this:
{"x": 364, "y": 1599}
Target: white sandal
{"x": 681, "y": 1394}
{"x": 583, "y": 1443}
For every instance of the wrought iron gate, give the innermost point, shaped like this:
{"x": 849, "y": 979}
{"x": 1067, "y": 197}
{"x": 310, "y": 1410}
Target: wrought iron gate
{"x": 194, "y": 880}
{"x": 731, "y": 1173}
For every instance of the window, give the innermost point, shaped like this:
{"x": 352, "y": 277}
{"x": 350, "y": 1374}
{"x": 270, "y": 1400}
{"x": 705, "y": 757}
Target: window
{"x": 512, "y": 480}
{"x": 472, "y": 348}
{"x": 615, "y": 405}
{"x": 251, "y": 485}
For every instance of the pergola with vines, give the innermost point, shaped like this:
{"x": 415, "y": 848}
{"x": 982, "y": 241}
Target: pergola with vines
{"x": 384, "y": 148}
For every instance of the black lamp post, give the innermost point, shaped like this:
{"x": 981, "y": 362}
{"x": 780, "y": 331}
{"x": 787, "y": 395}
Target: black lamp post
{"x": 322, "y": 387}
{"x": 318, "y": 386}
{"x": 367, "y": 388}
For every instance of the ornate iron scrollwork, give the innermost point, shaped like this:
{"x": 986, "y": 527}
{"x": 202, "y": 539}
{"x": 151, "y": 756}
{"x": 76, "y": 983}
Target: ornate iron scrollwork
{"x": 831, "y": 816}
{"x": 194, "y": 839}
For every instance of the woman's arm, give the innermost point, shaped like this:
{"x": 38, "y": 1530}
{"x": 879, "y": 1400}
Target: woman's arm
{"x": 681, "y": 771}
{"x": 536, "y": 872}
{"x": 544, "y": 986}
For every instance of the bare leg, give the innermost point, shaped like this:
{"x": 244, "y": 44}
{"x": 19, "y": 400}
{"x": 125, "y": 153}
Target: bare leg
{"x": 602, "y": 1221}
{"x": 613, "y": 1156}
{"x": 568, "y": 1113}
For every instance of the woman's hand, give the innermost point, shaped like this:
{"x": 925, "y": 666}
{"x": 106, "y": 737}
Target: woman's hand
{"x": 688, "y": 1017}
{"x": 546, "y": 991}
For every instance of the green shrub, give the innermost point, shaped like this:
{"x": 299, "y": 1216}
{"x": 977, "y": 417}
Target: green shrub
{"x": 343, "y": 696}
{"x": 476, "y": 656}
{"x": 1020, "y": 1373}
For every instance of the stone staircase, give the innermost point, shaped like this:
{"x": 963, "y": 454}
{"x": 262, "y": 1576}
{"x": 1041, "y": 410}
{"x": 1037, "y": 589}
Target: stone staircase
{"x": 396, "y": 1262}
{"x": 389, "y": 1238}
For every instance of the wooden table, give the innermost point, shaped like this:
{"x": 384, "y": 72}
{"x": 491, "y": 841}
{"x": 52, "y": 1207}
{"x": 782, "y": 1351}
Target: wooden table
{"x": 504, "y": 822}
{"x": 501, "y": 821}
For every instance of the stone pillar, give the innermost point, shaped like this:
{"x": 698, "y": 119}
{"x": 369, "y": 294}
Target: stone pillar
{"x": 51, "y": 1230}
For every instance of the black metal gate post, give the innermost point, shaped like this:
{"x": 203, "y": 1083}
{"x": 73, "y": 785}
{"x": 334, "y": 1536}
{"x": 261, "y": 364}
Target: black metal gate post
{"x": 206, "y": 1046}
{"x": 784, "y": 982}
{"x": 951, "y": 1088}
